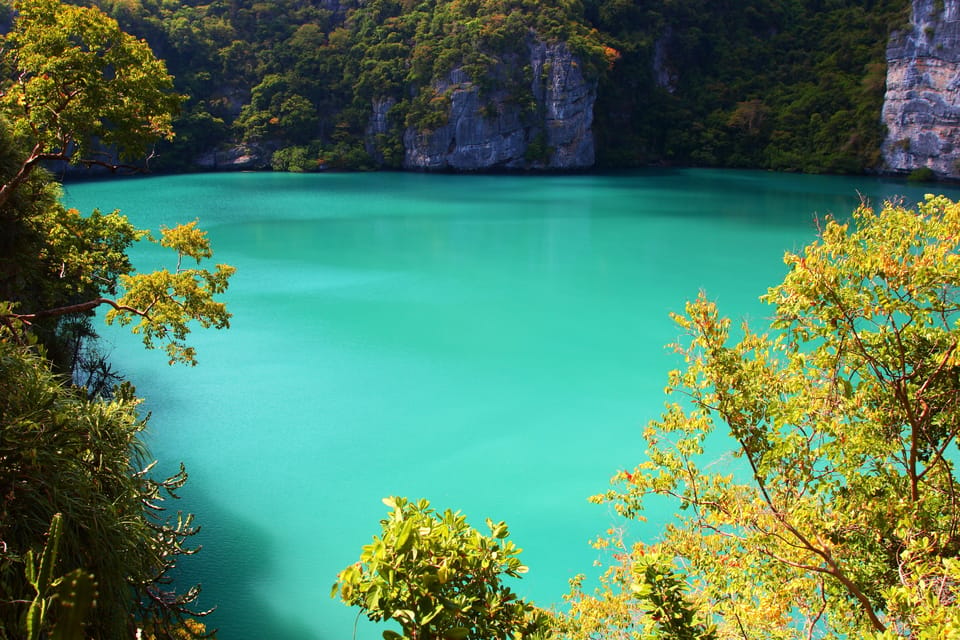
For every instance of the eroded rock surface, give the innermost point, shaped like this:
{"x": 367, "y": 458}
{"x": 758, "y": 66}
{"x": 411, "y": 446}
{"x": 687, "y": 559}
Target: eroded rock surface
{"x": 488, "y": 131}
{"x": 240, "y": 157}
{"x": 922, "y": 103}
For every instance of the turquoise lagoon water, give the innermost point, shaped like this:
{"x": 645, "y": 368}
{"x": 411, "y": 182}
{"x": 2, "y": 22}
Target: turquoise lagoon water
{"x": 492, "y": 343}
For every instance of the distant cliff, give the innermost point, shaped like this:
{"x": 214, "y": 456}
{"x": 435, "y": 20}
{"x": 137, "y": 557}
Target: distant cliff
{"x": 497, "y": 131}
{"x": 484, "y": 86}
{"x": 471, "y": 85}
{"x": 922, "y": 104}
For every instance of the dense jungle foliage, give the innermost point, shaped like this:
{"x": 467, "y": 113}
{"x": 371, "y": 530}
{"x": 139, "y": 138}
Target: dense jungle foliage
{"x": 87, "y": 545}
{"x": 785, "y": 85}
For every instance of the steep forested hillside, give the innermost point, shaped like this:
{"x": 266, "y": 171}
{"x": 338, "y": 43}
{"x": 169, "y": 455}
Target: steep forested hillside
{"x": 788, "y": 85}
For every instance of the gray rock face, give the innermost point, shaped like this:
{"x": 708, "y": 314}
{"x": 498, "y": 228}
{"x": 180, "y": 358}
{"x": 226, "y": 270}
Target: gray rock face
{"x": 241, "y": 157}
{"x": 568, "y": 101}
{"x": 493, "y": 132}
{"x": 663, "y": 75}
{"x": 921, "y": 107}
{"x": 379, "y": 125}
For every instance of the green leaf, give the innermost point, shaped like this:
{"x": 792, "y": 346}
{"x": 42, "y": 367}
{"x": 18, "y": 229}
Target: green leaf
{"x": 405, "y": 537}
{"x": 372, "y": 601}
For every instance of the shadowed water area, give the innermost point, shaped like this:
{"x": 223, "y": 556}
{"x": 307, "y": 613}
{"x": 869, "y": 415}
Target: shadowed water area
{"x": 492, "y": 343}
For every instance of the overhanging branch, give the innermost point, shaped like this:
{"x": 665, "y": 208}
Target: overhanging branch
{"x": 80, "y": 307}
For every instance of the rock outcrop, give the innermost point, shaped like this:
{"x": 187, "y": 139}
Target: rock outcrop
{"x": 494, "y": 131}
{"x": 664, "y": 76}
{"x": 378, "y": 127}
{"x": 922, "y": 103}
{"x": 239, "y": 157}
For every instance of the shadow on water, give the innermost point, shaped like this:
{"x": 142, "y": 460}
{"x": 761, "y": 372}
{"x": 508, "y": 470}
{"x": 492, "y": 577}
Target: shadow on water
{"x": 235, "y": 558}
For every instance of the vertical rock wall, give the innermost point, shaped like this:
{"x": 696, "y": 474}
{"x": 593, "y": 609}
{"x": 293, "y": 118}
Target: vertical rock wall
{"x": 922, "y": 103}
{"x": 485, "y": 132}
{"x": 474, "y": 138}
{"x": 565, "y": 101}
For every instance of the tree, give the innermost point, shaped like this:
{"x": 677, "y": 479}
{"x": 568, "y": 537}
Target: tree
{"x": 77, "y": 84}
{"x": 440, "y": 579}
{"x": 78, "y": 87}
{"x": 842, "y": 519}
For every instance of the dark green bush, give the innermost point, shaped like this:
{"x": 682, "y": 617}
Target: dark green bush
{"x": 922, "y": 174}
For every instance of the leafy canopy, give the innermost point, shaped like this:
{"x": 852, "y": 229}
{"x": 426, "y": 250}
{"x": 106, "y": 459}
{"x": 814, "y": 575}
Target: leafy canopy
{"x": 842, "y": 520}
{"x": 75, "y": 79}
{"x": 440, "y": 578}
{"x": 164, "y": 302}
{"x": 77, "y": 87}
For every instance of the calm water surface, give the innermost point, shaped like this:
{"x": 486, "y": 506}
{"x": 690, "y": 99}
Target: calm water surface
{"x": 493, "y": 344}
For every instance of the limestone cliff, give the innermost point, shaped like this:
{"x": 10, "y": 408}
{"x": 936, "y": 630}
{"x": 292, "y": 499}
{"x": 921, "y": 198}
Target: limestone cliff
{"x": 922, "y": 103}
{"x": 236, "y": 157}
{"x": 493, "y": 130}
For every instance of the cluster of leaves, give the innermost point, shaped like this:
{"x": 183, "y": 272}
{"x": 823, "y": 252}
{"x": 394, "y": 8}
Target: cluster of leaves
{"x": 440, "y": 578}
{"x": 163, "y": 303}
{"x": 78, "y": 260}
{"x": 843, "y": 518}
{"x": 59, "y": 106}
{"x": 641, "y": 595}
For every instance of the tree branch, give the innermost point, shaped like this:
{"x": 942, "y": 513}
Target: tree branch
{"x": 832, "y": 568}
{"x": 36, "y": 155}
{"x": 81, "y": 307}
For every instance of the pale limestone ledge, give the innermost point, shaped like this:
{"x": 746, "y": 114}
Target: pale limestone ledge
{"x": 921, "y": 108}
{"x": 922, "y": 113}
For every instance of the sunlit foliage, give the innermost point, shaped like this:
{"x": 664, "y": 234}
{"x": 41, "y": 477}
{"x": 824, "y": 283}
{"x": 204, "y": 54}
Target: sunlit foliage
{"x": 440, "y": 578}
{"x": 843, "y": 519}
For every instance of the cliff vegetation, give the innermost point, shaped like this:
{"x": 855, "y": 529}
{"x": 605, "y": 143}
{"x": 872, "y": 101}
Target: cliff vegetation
{"x": 794, "y": 86}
